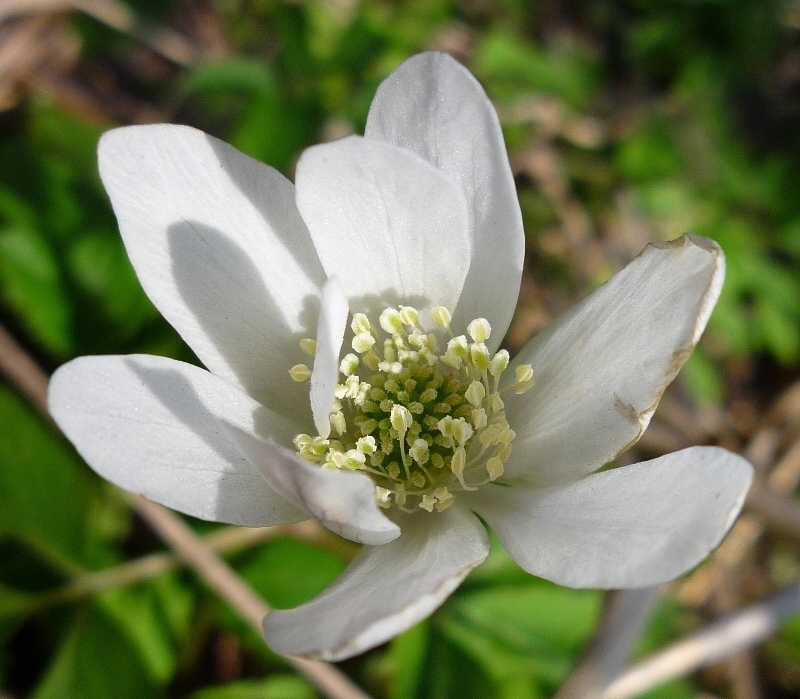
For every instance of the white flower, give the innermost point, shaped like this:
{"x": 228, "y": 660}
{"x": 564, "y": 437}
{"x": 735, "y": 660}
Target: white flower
{"x": 413, "y": 421}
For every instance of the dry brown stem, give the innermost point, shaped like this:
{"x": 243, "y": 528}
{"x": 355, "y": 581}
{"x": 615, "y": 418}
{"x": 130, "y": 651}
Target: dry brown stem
{"x": 717, "y": 641}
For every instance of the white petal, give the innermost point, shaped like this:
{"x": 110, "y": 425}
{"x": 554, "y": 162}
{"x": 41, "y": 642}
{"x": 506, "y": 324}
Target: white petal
{"x": 630, "y": 527}
{"x": 432, "y": 105}
{"x": 601, "y": 367}
{"x": 153, "y": 426}
{"x": 343, "y": 501}
{"x": 330, "y": 333}
{"x": 222, "y": 252}
{"x": 385, "y": 589}
{"x": 391, "y": 226}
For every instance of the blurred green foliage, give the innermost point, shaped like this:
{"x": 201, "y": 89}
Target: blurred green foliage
{"x": 702, "y": 130}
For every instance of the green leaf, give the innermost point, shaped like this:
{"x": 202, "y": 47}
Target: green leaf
{"x": 534, "y": 630}
{"x": 96, "y": 661}
{"x": 702, "y": 379}
{"x": 137, "y": 613}
{"x": 511, "y": 63}
{"x": 101, "y": 268}
{"x": 677, "y": 689}
{"x": 288, "y": 572}
{"x": 31, "y": 284}
{"x": 407, "y": 655}
{"x": 45, "y": 487}
{"x": 277, "y": 687}
{"x": 14, "y": 603}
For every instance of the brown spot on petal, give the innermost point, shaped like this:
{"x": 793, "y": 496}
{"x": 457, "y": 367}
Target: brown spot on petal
{"x": 676, "y": 243}
{"x": 626, "y": 410}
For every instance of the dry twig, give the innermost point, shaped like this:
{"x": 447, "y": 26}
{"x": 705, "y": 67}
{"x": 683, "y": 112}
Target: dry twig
{"x": 717, "y": 641}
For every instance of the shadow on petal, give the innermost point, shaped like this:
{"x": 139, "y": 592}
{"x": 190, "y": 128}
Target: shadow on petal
{"x": 300, "y": 247}
{"x": 224, "y": 290}
{"x": 180, "y": 398}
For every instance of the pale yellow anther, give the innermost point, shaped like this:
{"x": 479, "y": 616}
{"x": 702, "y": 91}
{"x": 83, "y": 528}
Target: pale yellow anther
{"x": 437, "y": 460}
{"x": 524, "y": 372}
{"x": 525, "y": 379}
{"x": 355, "y": 459}
{"x": 367, "y": 445}
{"x": 390, "y": 367}
{"x": 458, "y": 462}
{"x": 442, "y": 505}
{"x": 417, "y": 339}
{"x": 479, "y": 354}
{"x": 478, "y": 417}
{"x": 490, "y": 435}
{"x": 523, "y": 387}
{"x": 504, "y": 453}
{"x": 400, "y": 494}
{"x": 441, "y": 316}
{"x": 428, "y": 503}
{"x": 390, "y": 321}
{"x": 308, "y": 346}
{"x": 409, "y": 316}
{"x": 495, "y": 403}
{"x": 352, "y": 385}
{"x": 494, "y": 467}
{"x": 393, "y": 469}
{"x": 479, "y": 330}
{"x": 301, "y": 440}
{"x": 337, "y": 458}
{"x": 475, "y": 393}
{"x": 461, "y": 431}
{"x": 383, "y": 497}
{"x": 506, "y": 435}
{"x": 419, "y": 451}
{"x": 401, "y": 418}
{"x": 458, "y": 346}
{"x": 338, "y": 423}
{"x": 499, "y": 363}
{"x": 349, "y": 364}
{"x": 363, "y": 342}
{"x": 300, "y": 373}
{"x": 360, "y": 324}
{"x": 442, "y": 494}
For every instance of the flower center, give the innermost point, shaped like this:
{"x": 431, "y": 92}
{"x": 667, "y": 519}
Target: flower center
{"x": 424, "y": 425}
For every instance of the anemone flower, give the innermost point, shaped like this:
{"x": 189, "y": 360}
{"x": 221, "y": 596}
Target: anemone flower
{"x": 350, "y": 324}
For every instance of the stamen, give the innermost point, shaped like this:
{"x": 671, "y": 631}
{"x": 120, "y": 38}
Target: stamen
{"x": 425, "y": 426}
{"x": 441, "y": 316}
{"x": 479, "y": 330}
{"x": 308, "y": 346}
{"x": 300, "y": 373}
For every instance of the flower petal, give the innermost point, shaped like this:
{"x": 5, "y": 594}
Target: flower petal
{"x": 635, "y": 526}
{"x": 432, "y": 105}
{"x": 222, "y": 252}
{"x": 152, "y": 425}
{"x": 330, "y": 333}
{"x": 343, "y": 501}
{"x": 601, "y": 367}
{"x": 391, "y": 226}
{"x": 385, "y": 589}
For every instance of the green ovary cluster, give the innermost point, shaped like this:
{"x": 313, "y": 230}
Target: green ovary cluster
{"x": 424, "y": 425}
